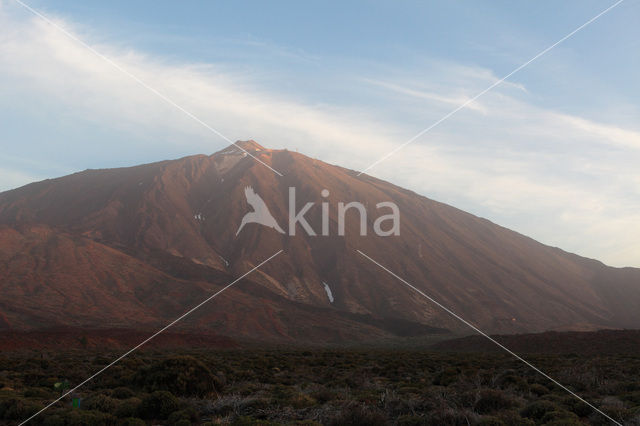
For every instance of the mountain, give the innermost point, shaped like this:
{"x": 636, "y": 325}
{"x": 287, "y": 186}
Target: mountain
{"x": 135, "y": 247}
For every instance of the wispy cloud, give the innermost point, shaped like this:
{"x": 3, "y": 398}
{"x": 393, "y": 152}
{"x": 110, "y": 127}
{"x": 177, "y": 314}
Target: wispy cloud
{"x": 15, "y": 178}
{"x": 40, "y": 62}
{"x": 453, "y": 100}
{"x": 608, "y": 134}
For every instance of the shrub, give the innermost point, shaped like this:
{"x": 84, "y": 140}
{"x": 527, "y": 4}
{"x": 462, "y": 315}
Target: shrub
{"x": 53, "y": 420}
{"x": 450, "y": 416}
{"x": 88, "y": 418}
{"x": 409, "y": 420}
{"x": 282, "y": 392}
{"x": 512, "y": 418}
{"x": 158, "y": 405}
{"x": 183, "y": 375}
{"x": 538, "y": 389}
{"x": 128, "y": 408}
{"x": 134, "y": 421}
{"x": 355, "y": 415}
{"x": 564, "y": 422}
{"x": 35, "y": 379}
{"x": 633, "y": 397}
{"x": 122, "y": 393}
{"x": 189, "y": 415}
{"x": 617, "y": 413}
{"x": 538, "y": 409}
{"x": 99, "y": 402}
{"x": 301, "y": 400}
{"x": 490, "y": 421}
{"x": 324, "y": 395}
{"x": 511, "y": 380}
{"x": 446, "y": 376}
{"x": 17, "y": 409}
{"x": 491, "y": 401}
{"x": 581, "y": 409}
{"x": 395, "y": 406}
{"x": 37, "y": 393}
{"x": 250, "y": 421}
{"x": 559, "y": 415}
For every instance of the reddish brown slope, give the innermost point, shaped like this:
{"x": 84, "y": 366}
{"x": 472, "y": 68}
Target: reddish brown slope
{"x": 51, "y": 279}
{"x": 181, "y": 217}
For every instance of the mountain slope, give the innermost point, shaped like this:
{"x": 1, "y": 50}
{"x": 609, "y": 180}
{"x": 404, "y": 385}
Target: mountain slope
{"x": 178, "y": 219}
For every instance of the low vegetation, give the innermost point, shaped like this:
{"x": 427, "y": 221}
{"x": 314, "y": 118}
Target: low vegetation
{"x": 311, "y": 387}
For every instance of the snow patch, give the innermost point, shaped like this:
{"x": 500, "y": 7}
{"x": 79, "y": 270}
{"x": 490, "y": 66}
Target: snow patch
{"x": 198, "y": 216}
{"x": 328, "y": 290}
{"x": 232, "y": 150}
{"x": 224, "y": 260}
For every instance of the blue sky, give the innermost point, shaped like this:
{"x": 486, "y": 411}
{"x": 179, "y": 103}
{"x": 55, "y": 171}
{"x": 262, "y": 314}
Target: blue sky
{"x": 552, "y": 153}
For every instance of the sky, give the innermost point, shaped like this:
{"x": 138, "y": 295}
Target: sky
{"x": 553, "y": 152}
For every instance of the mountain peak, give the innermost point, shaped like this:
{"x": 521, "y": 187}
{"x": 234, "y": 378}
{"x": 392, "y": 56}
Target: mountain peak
{"x": 241, "y": 147}
{"x": 250, "y": 145}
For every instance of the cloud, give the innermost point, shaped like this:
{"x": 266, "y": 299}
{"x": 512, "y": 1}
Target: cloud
{"x": 606, "y": 134}
{"x": 43, "y": 62}
{"x": 559, "y": 178}
{"x": 15, "y": 178}
{"x": 454, "y": 100}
